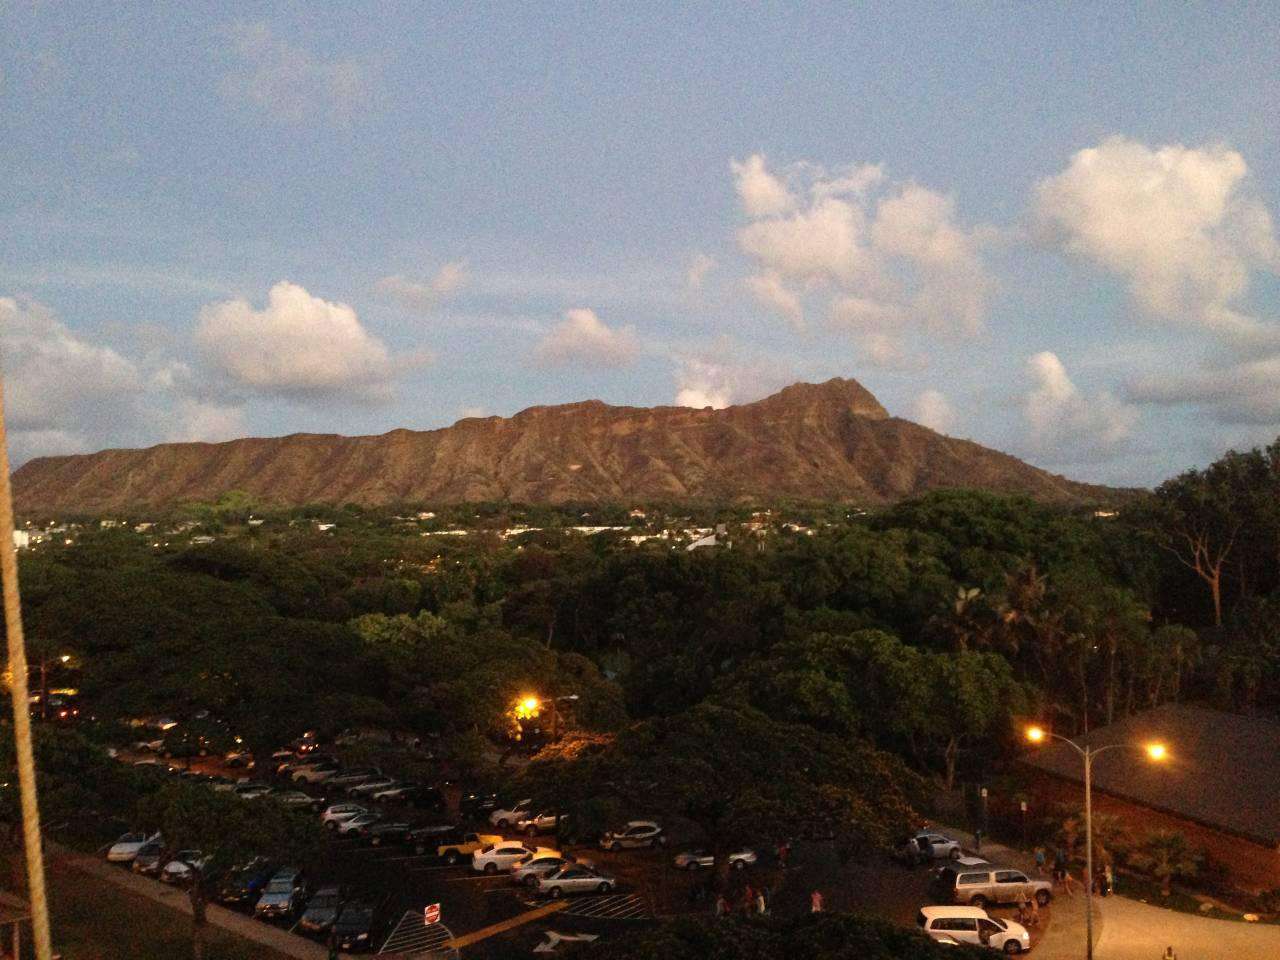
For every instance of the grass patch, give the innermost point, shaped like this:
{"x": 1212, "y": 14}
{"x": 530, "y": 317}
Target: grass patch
{"x": 1137, "y": 887}
{"x": 93, "y": 920}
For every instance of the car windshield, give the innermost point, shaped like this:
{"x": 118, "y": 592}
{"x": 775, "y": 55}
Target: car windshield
{"x": 280, "y": 886}
{"x": 356, "y": 917}
{"x": 323, "y": 901}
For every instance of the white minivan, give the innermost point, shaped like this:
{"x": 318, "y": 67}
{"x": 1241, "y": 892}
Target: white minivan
{"x": 955, "y": 924}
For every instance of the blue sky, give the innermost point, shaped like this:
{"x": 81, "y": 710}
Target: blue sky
{"x": 1047, "y": 228}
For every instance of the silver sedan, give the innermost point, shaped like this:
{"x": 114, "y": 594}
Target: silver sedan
{"x": 575, "y": 878}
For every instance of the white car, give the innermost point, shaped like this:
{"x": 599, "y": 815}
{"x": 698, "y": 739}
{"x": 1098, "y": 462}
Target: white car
{"x": 532, "y": 824}
{"x": 356, "y": 825}
{"x": 696, "y": 859}
{"x": 972, "y": 925}
{"x": 179, "y": 869}
{"x": 250, "y": 791}
{"x": 927, "y": 845}
{"x": 316, "y": 774}
{"x": 370, "y": 787}
{"x": 339, "y": 812}
{"x": 529, "y": 869}
{"x": 504, "y": 817}
{"x": 637, "y": 833}
{"x": 502, "y": 856}
{"x": 127, "y": 847}
{"x": 575, "y": 878}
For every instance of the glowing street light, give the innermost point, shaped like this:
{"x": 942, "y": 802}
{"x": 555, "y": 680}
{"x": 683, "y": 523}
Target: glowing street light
{"x": 1155, "y": 751}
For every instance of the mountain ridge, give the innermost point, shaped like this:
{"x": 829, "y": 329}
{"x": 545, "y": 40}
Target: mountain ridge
{"x": 831, "y": 441}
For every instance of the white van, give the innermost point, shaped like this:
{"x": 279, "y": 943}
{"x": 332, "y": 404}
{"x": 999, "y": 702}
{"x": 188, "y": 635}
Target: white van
{"x": 955, "y": 924}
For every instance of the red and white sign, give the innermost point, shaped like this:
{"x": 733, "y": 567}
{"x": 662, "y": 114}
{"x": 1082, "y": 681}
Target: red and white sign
{"x": 431, "y": 913}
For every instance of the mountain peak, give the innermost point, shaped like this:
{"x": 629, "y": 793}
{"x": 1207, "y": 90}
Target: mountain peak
{"x": 836, "y": 392}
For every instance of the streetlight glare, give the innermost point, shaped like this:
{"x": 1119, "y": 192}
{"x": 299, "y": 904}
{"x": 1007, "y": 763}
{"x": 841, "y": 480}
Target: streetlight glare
{"x": 530, "y": 703}
{"x": 1157, "y": 751}
{"x": 1035, "y": 734}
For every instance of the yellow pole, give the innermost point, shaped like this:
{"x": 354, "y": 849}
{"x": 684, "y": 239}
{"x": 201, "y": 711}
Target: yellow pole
{"x": 21, "y": 706}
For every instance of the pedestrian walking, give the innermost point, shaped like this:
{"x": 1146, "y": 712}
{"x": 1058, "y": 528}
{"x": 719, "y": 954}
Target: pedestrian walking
{"x": 1108, "y": 880}
{"x": 722, "y": 907}
{"x": 1040, "y": 861}
{"x": 977, "y": 841}
{"x": 816, "y": 902}
{"x": 1059, "y": 864}
{"x": 1068, "y": 882}
{"x": 761, "y": 907}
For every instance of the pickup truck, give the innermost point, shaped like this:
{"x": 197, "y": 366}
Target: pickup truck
{"x": 455, "y": 849}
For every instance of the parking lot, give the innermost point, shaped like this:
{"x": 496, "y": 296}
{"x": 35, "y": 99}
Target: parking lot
{"x": 488, "y": 910}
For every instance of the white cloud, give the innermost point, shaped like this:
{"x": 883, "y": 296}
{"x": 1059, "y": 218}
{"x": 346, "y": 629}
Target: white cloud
{"x": 696, "y": 273}
{"x": 878, "y": 254}
{"x": 1242, "y": 393}
{"x": 289, "y": 82}
{"x": 933, "y": 410}
{"x": 1065, "y": 425}
{"x": 423, "y": 297}
{"x": 582, "y": 337}
{"x": 60, "y": 389}
{"x": 205, "y": 421}
{"x": 702, "y": 384}
{"x": 762, "y": 194}
{"x": 769, "y": 290}
{"x": 298, "y": 345}
{"x": 1178, "y": 223}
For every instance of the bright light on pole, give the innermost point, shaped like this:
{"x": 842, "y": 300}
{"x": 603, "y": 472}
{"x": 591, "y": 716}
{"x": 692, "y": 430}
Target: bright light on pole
{"x": 1155, "y": 751}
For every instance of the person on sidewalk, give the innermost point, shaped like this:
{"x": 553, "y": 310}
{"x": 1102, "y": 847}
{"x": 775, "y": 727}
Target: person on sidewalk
{"x": 722, "y": 907}
{"x": 1039, "y": 861}
{"x": 1068, "y": 882}
{"x": 816, "y": 902}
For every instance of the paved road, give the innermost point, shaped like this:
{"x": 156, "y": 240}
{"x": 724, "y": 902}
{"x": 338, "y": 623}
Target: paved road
{"x": 1139, "y": 931}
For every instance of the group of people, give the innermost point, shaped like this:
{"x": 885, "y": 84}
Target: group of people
{"x": 752, "y": 900}
{"x": 1103, "y": 877}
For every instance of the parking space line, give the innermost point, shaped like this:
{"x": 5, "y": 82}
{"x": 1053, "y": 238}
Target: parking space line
{"x": 517, "y": 921}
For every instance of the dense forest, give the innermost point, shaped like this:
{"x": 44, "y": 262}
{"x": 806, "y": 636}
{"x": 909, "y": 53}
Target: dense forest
{"x": 815, "y": 674}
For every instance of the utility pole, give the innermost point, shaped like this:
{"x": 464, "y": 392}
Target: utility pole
{"x": 21, "y": 707}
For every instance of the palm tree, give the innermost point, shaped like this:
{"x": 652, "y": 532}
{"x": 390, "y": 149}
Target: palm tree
{"x": 1166, "y": 855}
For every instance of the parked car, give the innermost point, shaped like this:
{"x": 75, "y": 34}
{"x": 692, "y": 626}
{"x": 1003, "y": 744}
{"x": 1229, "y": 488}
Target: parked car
{"x": 957, "y": 924}
{"x": 357, "y": 825}
{"x": 239, "y": 758}
{"x": 297, "y": 762}
{"x": 637, "y": 833}
{"x": 529, "y": 869}
{"x": 503, "y": 817}
{"x": 243, "y": 883}
{"x": 370, "y": 787}
{"x": 127, "y": 847}
{"x": 501, "y": 856}
{"x": 987, "y": 884}
{"x": 295, "y": 798}
{"x": 250, "y": 791}
{"x": 350, "y": 778}
{"x": 357, "y": 926}
{"x": 926, "y": 846}
{"x": 387, "y": 833}
{"x": 183, "y": 865}
{"x": 429, "y": 837}
{"x": 322, "y": 910}
{"x": 696, "y": 859}
{"x": 315, "y": 772}
{"x": 477, "y": 804}
{"x": 149, "y": 860}
{"x": 338, "y": 812}
{"x": 541, "y": 822}
{"x": 282, "y": 896}
{"x": 456, "y": 848}
{"x": 575, "y": 878}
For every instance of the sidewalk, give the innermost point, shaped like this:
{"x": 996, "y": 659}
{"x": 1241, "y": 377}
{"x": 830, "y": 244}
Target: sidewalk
{"x": 247, "y": 928}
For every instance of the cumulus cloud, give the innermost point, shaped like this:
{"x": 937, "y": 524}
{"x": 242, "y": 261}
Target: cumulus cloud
{"x": 297, "y": 346}
{"x": 1241, "y": 393}
{"x": 60, "y": 389}
{"x": 423, "y": 296}
{"x": 762, "y": 194}
{"x": 696, "y": 273}
{"x": 877, "y": 255}
{"x": 288, "y": 81}
{"x": 582, "y": 337}
{"x": 1177, "y": 223}
{"x": 933, "y": 410}
{"x": 1065, "y": 425}
{"x": 703, "y": 384}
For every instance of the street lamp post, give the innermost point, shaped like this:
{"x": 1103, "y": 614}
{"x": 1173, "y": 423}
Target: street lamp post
{"x": 529, "y": 706}
{"x": 1155, "y": 751}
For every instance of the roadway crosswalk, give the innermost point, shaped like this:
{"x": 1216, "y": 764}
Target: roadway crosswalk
{"x": 415, "y": 938}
